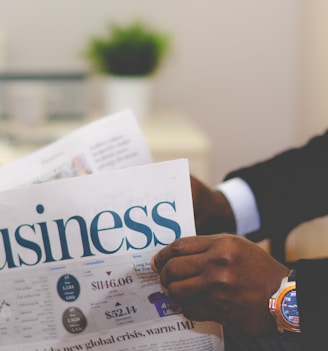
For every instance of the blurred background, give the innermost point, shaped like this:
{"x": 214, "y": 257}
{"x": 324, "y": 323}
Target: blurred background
{"x": 252, "y": 75}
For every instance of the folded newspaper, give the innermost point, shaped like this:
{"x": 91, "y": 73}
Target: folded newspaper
{"x": 75, "y": 251}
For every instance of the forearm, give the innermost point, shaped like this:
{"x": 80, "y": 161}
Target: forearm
{"x": 291, "y": 187}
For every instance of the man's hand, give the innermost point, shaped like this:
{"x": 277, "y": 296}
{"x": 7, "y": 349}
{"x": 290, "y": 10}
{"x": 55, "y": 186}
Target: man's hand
{"x": 212, "y": 211}
{"x": 223, "y": 278}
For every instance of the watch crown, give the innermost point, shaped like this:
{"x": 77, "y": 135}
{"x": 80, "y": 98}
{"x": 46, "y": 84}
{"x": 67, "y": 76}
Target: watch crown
{"x": 272, "y": 304}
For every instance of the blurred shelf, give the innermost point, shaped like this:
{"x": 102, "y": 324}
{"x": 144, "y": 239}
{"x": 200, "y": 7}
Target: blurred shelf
{"x": 14, "y": 76}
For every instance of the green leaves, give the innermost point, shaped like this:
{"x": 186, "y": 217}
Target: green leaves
{"x": 134, "y": 50}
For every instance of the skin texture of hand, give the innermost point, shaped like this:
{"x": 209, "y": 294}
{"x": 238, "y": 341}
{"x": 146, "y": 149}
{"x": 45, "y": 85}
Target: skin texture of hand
{"x": 212, "y": 211}
{"x": 222, "y": 278}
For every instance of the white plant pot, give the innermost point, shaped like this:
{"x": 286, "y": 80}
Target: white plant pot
{"x": 129, "y": 93}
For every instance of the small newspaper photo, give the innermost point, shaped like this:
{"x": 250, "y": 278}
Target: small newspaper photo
{"x": 80, "y": 221}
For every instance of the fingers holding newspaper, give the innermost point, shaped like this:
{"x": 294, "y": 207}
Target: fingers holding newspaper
{"x": 220, "y": 278}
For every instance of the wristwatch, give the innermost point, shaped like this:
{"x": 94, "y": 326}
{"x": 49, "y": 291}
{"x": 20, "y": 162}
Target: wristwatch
{"x": 283, "y": 306}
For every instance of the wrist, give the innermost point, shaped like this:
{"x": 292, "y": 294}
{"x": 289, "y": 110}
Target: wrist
{"x": 219, "y": 217}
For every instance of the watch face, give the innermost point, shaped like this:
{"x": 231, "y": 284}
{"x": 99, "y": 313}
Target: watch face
{"x": 289, "y": 308}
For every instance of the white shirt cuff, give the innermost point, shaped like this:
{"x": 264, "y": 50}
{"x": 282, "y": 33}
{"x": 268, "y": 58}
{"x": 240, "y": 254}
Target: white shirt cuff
{"x": 243, "y": 204}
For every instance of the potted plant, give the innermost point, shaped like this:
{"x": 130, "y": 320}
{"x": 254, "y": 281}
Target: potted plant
{"x": 129, "y": 56}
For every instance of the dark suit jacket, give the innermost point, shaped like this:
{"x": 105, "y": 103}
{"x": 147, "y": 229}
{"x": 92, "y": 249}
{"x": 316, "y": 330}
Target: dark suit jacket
{"x": 291, "y": 188}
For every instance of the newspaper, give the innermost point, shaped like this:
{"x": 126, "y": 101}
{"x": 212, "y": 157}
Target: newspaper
{"x": 108, "y": 143}
{"x": 75, "y": 253}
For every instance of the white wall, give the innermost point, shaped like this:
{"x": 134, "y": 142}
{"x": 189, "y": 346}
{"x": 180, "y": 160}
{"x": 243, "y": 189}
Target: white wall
{"x": 234, "y": 67}
{"x": 314, "y": 93}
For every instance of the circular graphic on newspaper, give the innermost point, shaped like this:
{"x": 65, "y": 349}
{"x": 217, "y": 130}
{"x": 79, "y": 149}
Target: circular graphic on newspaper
{"x": 68, "y": 288}
{"x": 74, "y": 320}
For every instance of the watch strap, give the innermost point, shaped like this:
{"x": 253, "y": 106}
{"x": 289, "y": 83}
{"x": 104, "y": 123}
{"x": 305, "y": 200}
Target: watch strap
{"x": 292, "y": 275}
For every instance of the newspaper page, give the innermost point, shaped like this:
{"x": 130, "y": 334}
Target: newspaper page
{"x": 75, "y": 263}
{"x": 111, "y": 142}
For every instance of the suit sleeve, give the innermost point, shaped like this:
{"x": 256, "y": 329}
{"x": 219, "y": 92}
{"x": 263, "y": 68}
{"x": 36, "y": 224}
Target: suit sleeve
{"x": 291, "y": 187}
{"x": 312, "y": 288}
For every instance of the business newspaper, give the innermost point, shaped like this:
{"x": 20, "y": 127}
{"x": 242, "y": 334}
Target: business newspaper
{"x": 75, "y": 253}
